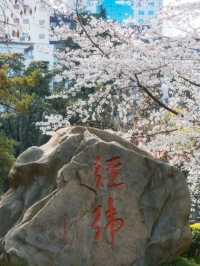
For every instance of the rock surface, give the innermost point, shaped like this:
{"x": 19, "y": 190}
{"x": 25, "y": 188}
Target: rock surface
{"x": 90, "y": 198}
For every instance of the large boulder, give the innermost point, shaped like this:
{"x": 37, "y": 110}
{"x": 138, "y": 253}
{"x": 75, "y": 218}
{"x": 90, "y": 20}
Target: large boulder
{"x": 90, "y": 198}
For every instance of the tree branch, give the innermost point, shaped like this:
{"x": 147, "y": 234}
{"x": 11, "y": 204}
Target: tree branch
{"x": 7, "y": 106}
{"x": 190, "y": 81}
{"x": 161, "y": 104}
{"x": 85, "y": 31}
{"x": 156, "y": 133}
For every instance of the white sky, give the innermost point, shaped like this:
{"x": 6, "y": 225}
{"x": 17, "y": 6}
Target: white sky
{"x": 177, "y": 2}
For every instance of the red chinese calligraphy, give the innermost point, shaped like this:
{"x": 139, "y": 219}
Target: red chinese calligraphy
{"x": 96, "y": 224}
{"x": 113, "y": 166}
{"x": 97, "y": 172}
{"x": 114, "y": 224}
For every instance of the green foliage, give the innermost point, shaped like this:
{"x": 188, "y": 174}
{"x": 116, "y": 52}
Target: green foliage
{"x": 6, "y": 158}
{"x": 192, "y": 257}
{"x": 195, "y": 247}
{"x": 22, "y": 93}
{"x": 15, "y": 84}
{"x": 40, "y": 72}
{"x": 18, "y": 84}
{"x": 195, "y": 227}
{"x": 15, "y": 62}
{"x": 22, "y": 104}
{"x": 184, "y": 262}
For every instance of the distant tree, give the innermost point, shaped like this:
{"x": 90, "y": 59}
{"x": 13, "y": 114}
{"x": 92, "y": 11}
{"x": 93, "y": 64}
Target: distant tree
{"x": 15, "y": 87}
{"x": 22, "y": 104}
{"x": 6, "y": 159}
{"x": 23, "y": 91}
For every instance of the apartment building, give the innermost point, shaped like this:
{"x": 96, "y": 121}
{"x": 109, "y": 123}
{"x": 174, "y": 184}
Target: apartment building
{"x": 145, "y": 10}
{"x": 140, "y": 12}
{"x": 25, "y": 29}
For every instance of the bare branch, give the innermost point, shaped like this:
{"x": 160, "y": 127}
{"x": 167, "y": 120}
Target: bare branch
{"x": 156, "y": 133}
{"x": 161, "y": 104}
{"x": 190, "y": 81}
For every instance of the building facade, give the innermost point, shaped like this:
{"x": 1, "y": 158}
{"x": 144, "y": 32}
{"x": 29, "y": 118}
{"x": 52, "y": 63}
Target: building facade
{"x": 26, "y": 25}
{"x": 145, "y": 10}
{"x": 139, "y": 12}
{"x": 92, "y": 5}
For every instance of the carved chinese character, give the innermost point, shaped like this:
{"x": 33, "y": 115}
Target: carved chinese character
{"x": 113, "y": 166}
{"x": 114, "y": 224}
{"x": 97, "y": 172}
{"x": 97, "y": 222}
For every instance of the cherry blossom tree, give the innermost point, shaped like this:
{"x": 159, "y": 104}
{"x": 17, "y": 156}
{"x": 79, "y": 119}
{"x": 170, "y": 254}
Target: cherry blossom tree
{"x": 115, "y": 56}
{"x": 144, "y": 83}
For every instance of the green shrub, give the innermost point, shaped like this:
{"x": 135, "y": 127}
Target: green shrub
{"x": 183, "y": 262}
{"x": 194, "y": 250}
{"x": 6, "y": 159}
{"x": 195, "y": 227}
{"x": 192, "y": 257}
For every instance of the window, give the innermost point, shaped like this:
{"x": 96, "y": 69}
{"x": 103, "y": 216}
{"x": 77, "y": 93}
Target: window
{"x": 141, "y": 12}
{"x": 41, "y": 36}
{"x": 26, "y": 21}
{"x": 29, "y": 55}
{"x": 42, "y": 5}
{"x": 24, "y": 36}
{"x": 41, "y": 22}
{"x": 16, "y": 20}
{"x": 152, "y": 4}
{"x": 151, "y": 12}
{"x": 15, "y": 33}
{"x": 140, "y": 3}
{"x": 141, "y": 21}
{"x": 16, "y": 6}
